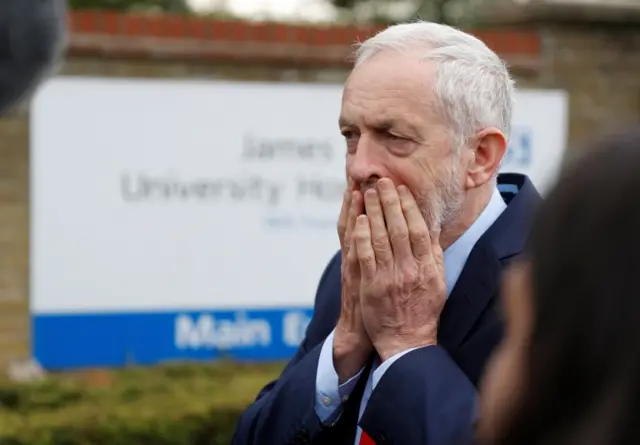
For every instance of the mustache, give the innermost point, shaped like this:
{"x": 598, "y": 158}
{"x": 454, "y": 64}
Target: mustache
{"x": 367, "y": 185}
{"x": 362, "y": 186}
{"x": 431, "y": 212}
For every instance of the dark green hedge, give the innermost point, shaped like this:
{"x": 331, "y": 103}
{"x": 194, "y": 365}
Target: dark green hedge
{"x": 182, "y": 404}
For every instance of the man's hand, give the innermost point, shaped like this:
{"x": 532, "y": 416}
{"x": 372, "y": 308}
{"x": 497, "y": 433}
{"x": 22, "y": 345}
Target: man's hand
{"x": 351, "y": 345}
{"x": 403, "y": 287}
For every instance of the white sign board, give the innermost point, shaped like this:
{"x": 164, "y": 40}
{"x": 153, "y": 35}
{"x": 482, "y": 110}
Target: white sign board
{"x": 538, "y": 137}
{"x": 183, "y": 219}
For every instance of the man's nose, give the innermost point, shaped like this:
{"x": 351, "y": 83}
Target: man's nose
{"x": 365, "y": 164}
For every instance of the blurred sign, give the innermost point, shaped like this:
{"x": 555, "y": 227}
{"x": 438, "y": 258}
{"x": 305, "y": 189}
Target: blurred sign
{"x": 192, "y": 220}
{"x": 538, "y": 136}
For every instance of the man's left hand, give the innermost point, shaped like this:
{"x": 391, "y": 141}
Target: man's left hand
{"x": 403, "y": 287}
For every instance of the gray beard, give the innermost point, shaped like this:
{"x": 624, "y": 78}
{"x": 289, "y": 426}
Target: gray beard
{"x": 442, "y": 209}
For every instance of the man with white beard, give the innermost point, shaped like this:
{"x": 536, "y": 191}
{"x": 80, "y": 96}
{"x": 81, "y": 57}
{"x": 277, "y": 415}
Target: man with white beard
{"x": 405, "y": 314}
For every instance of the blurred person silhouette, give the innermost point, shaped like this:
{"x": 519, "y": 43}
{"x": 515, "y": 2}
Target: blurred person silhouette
{"x": 404, "y": 317}
{"x": 568, "y": 369}
{"x": 32, "y": 40}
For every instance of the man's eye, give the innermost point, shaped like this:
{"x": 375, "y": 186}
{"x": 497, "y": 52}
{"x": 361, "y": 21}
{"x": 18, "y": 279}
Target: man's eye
{"x": 351, "y": 139}
{"x": 394, "y": 137}
{"x": 348, "y": 134}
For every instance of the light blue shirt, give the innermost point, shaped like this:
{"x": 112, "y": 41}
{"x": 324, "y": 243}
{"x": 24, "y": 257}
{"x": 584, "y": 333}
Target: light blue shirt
{"x": 330, "y": 395}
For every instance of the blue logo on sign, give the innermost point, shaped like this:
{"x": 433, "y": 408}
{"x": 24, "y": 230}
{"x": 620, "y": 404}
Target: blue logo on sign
{"x": 294, "y": 326}
{"x": 520, "y": 150}
{"x": 207, "y": 332}
{"x": 120, "y": 339}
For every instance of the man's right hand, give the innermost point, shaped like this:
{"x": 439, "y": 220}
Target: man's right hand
{"x": 351, "y": 344}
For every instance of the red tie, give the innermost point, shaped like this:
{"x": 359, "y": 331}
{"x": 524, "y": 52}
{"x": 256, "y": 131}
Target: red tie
{"x": 365, "y": 439}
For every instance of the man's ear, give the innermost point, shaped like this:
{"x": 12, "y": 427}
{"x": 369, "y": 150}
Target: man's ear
{"x": 487, "y": 150}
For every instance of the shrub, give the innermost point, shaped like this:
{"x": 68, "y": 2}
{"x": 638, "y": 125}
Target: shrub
{"x": 176, "y": 404}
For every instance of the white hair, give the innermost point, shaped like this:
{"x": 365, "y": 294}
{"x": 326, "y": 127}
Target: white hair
{"x": 473, "y": 88}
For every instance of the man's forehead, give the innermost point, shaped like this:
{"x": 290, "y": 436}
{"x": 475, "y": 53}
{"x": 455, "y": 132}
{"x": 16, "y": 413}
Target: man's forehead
{"x": 386, "y": 98}
{"x": 386, "y": 78}
{"x": 391, "y": 67}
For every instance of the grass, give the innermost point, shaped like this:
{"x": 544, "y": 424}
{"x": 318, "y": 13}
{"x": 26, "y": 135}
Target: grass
{"x": 137, "y": 405}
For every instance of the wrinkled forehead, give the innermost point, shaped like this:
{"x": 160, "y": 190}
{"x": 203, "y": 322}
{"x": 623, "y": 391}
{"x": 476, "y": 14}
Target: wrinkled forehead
{"x": 390, "y": 83}
{"x": 393, "y": 70}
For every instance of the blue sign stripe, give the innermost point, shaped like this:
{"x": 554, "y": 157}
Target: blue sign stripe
{"x": 67, "y": 341}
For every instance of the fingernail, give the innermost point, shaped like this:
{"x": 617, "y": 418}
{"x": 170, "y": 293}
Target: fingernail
{"x": 385, "y": 183}
{"x": 403, "y": 190}
{"x": 371, "y": 192}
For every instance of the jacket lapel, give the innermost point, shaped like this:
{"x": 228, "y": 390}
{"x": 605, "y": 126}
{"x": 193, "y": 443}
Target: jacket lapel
{"x": 475, "y": 288}
{"x": 480, "y": 279}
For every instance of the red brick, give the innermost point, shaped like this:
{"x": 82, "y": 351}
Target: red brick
{"x": 83, "y": 22}
{"x": 511, "y": 41}
{"x": 195, "y": 29}
{"x": 133, "y": 26}
{"x": 238, "y": 32}
{"x": 338, "y": 35}
{"x": 173, "y": 27}
{"x": 303, "y": 35}
{"x": 281, "y": 34}
{"x": 261, "y": 32}
{"x": 154, "y": 27}
{"x": 109, "y": 23}
{"x": 508, "y": 42}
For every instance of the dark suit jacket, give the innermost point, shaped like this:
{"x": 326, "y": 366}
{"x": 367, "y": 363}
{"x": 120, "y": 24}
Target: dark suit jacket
{"x": 428, "y": 395}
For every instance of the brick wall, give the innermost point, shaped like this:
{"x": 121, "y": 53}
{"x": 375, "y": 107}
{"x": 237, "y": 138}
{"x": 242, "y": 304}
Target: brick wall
{"x": 600, "y": 69}
{"x": 106, "y": 44}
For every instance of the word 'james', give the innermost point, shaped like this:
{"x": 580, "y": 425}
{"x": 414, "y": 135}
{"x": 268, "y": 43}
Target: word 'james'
{"x": 277, "y": 149}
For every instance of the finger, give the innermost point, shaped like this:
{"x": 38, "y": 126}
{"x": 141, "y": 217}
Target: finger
{"x": 419, "y": 236}
{"x": 357, "y": 208}
{"x": 364, "y": 249}
{"x": 396, "y": 224}
{"x": 436, "y": 251}
{"x": 379, "y": 236}
{"x": 353, "y": 265}
{"x": 344, "y": 216}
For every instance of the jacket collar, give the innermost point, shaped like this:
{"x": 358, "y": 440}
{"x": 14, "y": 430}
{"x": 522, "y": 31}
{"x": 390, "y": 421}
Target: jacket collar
{"x": 480, "y": 278}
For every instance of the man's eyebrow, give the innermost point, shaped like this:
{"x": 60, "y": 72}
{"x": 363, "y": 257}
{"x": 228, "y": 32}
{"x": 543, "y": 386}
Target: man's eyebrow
{"x": 344, "y": 122}
{"x": 377, "y": 124}
{"x": 384, "y": 124}
{"x": 399, "y": 125}
{"x": 381, "y": 124}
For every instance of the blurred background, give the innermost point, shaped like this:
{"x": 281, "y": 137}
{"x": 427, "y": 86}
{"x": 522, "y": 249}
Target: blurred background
{"x": 168, "y": 199}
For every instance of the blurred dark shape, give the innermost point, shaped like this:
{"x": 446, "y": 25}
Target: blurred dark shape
{"x": 347, "y": 4}
{"x": 32, "y": 39}
{"x": 172, "y": 6}
{"x": 583, "y": 373}
{"x": 381, "y": 11}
